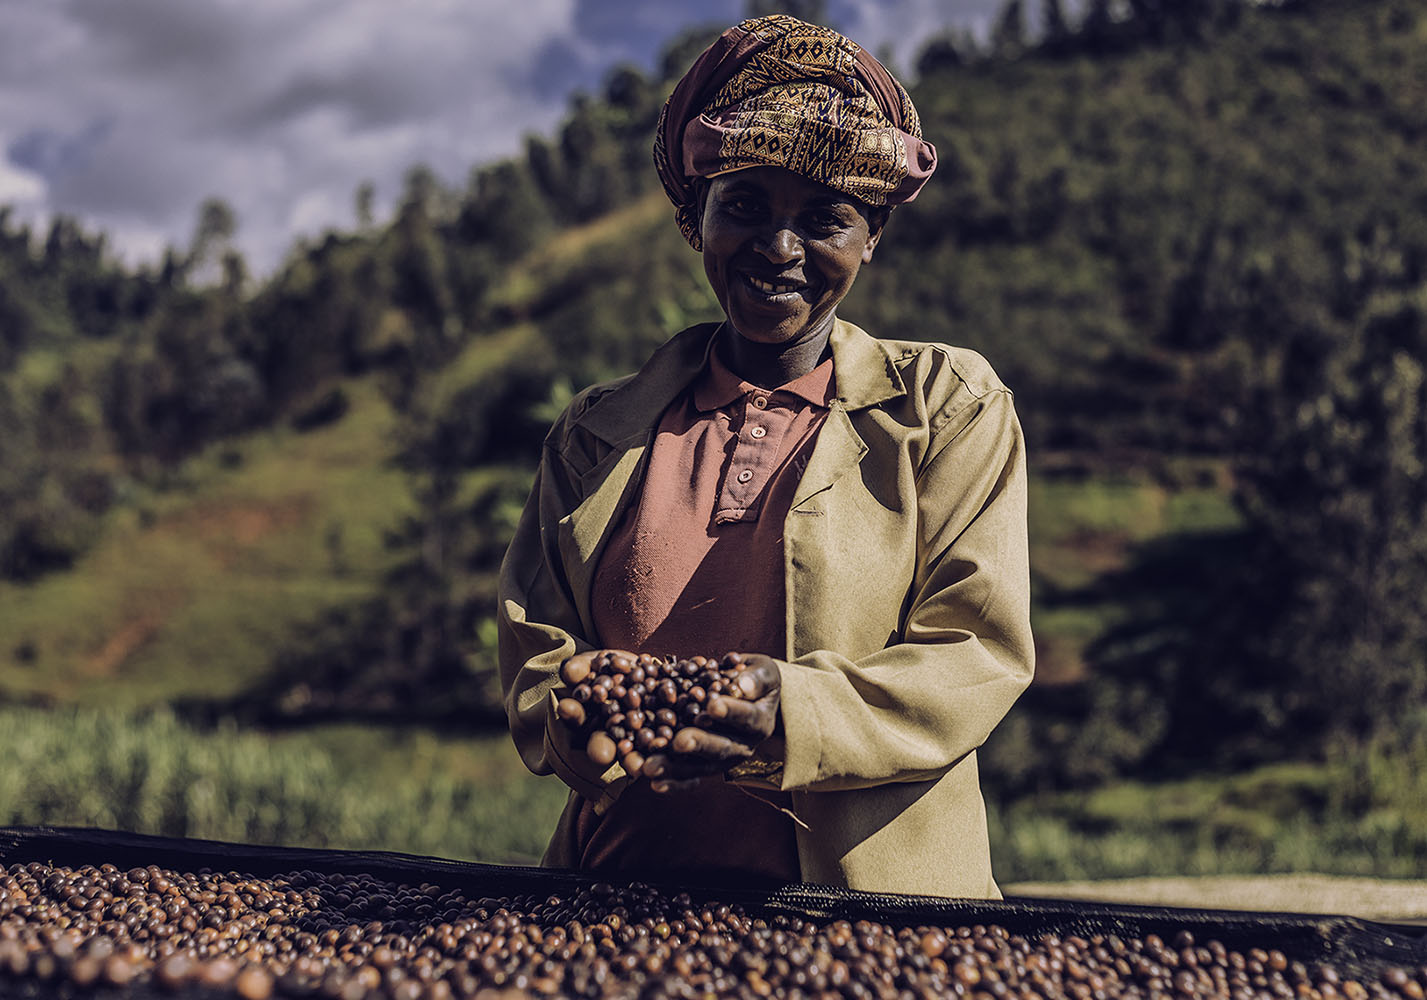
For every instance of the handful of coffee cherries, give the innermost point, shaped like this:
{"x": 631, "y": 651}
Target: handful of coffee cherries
{"x": 628, "y": 706}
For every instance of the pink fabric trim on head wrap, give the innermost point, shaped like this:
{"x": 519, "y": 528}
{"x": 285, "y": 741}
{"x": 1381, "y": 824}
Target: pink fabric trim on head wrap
{"x": 776, "y": 91}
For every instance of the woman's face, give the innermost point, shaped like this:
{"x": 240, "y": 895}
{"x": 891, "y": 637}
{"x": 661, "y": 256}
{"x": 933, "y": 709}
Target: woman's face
{"x": 781, "y": 251}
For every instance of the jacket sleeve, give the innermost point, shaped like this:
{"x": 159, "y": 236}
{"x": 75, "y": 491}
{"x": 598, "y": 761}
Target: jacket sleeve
{"x": 539, "y": 625}
{"x": 964, "y": 654}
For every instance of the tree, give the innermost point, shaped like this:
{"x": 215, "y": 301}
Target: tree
{"x": 17, "y": 319}
{"x": 420, "y": 269}
{"x": 595, "y": 170}
{"x": 1338, "y": 485}
{"x": 1100, "y": 31}
{"x": 1057, "y": 38}
{"x": 53, "y": 481}
{"x": 505, "y": 210}
{"x": 680, "y": 52}
{"x": 212, "y": 240}
{"x": 364, "y": 202}
{"x": 1008, "y": 33}
{"x": 1175, "y": 20}
{"x": 942, "y": 52}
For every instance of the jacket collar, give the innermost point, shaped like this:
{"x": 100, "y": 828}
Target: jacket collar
{"x": 863, "y": 370}
{"x": 863, "y": 374}
{"x": 624, "y": 415}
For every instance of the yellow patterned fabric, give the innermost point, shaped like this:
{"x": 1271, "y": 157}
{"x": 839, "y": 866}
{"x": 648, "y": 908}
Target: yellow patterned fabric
{"x": 777, "y": 91}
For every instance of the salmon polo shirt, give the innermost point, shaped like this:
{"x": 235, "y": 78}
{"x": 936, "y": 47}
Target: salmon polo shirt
{"x": 695, "y": 566}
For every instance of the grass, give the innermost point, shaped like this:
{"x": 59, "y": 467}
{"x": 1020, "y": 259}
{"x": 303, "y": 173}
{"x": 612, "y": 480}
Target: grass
{"x": 483, "y": 355}
{"x": 1363, "y": 812}
{"x": 85, "y": 355}
{"x": 347, "y": 788}
{"x": 1083, "y": 526}
{"x": 191, "y": 589}
{"x": 543, "y": 267}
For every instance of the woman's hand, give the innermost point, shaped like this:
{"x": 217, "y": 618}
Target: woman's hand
{"x": 729, "y": 731}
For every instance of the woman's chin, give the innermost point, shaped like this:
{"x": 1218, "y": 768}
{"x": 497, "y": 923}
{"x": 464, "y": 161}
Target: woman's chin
{"x": 770, "y": 326}
{"x": 766, "y": 336}
{"x": 768, "y": 319}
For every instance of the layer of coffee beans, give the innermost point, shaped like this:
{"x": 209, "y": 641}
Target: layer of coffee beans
{"x": 354, "y": 937}
{"x": 627, "y": 707}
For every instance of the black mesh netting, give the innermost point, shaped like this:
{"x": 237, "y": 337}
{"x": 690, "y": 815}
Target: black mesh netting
{"x": 1356, "y": 948}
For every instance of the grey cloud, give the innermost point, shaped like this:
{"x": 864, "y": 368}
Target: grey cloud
{"x": 50, "y": 153}
{"x": 283, "y": 109}
{"x": 131, "y": 175}
{"x": 36, "y": 38}
{"x": 165, "y": 38}
{"x": 650, "y": 22}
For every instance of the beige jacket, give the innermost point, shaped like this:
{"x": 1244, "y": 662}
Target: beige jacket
{"x": 908, "y": 593}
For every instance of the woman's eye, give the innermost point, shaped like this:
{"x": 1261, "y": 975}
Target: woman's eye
{"x": 742, "y": 207}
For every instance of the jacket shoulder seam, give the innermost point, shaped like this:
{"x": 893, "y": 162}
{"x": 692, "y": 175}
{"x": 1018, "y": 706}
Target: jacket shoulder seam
{"x": 975, "y": 379}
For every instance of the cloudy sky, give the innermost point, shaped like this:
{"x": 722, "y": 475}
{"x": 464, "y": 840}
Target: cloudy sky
{"x": 128, "y": 113}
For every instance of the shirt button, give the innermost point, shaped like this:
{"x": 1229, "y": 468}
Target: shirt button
{"x": 761, "y": 402}
{"x": 758, "y": 432}
{"x": 745, "y": 475}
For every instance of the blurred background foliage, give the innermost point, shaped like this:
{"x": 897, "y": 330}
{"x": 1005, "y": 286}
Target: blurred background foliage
{"x": 249, "y": 529}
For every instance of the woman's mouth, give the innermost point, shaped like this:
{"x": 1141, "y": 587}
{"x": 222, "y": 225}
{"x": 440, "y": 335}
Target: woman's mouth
{"x": 774, "y": 290}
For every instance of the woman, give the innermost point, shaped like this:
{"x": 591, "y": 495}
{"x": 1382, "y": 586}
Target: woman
{"x": 849, "y": 512}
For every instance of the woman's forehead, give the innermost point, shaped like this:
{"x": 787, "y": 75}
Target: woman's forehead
{"x": 772, "y": 181}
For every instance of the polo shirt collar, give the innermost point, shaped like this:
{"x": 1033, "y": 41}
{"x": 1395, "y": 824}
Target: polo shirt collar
{"x": 719, "y": 386}
{"x": 863, "y": 375}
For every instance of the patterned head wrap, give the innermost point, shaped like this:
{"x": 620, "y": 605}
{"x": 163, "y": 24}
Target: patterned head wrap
{"x": 776, "y": 91}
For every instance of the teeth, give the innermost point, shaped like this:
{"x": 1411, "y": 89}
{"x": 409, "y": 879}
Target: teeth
{"x": 771, "y": 288}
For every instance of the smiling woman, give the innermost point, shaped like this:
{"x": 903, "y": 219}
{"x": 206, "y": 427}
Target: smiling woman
{"x": 846, "y": 513}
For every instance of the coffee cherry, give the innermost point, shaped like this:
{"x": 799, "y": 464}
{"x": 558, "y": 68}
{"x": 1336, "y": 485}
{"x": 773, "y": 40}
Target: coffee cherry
{"x": 570, "y": 711}
{"x": 254, "y": 983}
{"x": 343, "y": 936}
{"x": 574, "y": 671}
{"x": 600, "y": 749}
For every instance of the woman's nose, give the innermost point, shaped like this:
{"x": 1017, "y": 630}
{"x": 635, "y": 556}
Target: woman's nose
{"x": 782, "y": 244}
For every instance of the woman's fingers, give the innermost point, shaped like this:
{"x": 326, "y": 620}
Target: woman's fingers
{"x": 662, "y": 785}
{"x": 676, "y": 773}
{"x": 753, "y": 707}
{"x": 666, "y": 773}
{"x": 695, "y": 753}
{"x": 758, "y": 678}
{"x": 756, "y": 719}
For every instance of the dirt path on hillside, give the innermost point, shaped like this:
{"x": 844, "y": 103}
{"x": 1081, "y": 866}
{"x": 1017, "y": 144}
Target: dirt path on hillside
{"x": 1402, "y": 900}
